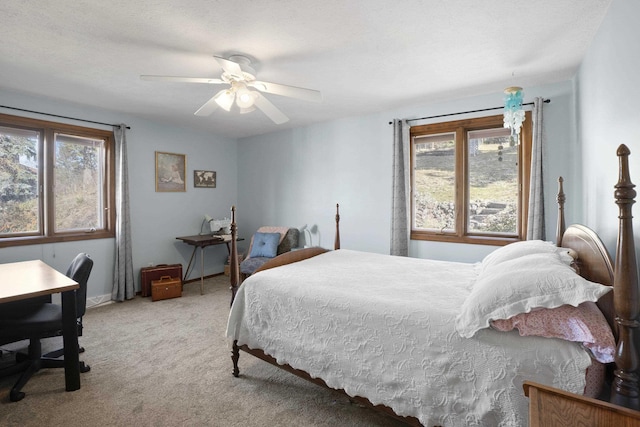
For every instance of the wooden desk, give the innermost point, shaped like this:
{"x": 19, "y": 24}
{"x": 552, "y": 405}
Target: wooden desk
{"x": 28, "y": 279}
{"x": 202, "y": 241}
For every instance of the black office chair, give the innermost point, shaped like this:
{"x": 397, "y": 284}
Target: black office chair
{"x": 34, "y": 321}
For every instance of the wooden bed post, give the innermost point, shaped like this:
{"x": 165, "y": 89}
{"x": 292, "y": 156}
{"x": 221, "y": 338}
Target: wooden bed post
{"x": 234, "y": 279}
{"x": 234, "y": 268}
{"x": 625, "y": 390}
{"x": 336, "y": 243}
{"x": 560, "y": 198}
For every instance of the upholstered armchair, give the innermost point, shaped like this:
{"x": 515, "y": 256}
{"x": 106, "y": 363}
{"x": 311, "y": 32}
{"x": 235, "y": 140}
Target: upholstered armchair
{"x": 267, "y": 243}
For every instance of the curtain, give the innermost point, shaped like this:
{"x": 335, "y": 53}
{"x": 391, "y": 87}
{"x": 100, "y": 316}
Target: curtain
{"x": 535, "y": 221}
{"x": 401, "y": 192}
{"x": 123, "y": 284}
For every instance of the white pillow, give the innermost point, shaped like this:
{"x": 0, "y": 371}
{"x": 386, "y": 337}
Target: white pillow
{"x": 520, "y": 285}
{"x": 522, "y": 248}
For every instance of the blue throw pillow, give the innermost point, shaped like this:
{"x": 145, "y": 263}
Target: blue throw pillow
{"x": 265, "y": 245}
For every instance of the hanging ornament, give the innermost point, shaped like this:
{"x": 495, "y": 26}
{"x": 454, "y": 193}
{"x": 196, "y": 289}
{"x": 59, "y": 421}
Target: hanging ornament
{"x": 513, "y": 112}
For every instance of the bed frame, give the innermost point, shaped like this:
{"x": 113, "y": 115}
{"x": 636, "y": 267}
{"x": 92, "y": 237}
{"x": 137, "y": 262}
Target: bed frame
{"x": 621, "y": 307}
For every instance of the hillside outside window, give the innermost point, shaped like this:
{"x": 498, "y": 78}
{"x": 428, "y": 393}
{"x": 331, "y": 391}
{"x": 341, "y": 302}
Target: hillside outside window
{"x": 470, "y": 181}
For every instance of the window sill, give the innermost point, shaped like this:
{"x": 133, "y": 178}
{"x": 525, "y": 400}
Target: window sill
{"x": 39, "y": 240}
{"x": 472, "y": 240}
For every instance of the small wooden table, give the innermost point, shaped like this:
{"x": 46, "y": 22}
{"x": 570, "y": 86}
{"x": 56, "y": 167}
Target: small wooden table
{"x": 551, "y": 407}
{"x": 202, "y": 241}
{"x": 28, "y": 279}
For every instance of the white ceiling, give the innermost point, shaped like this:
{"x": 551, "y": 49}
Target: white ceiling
{"x": 363, "y": 55}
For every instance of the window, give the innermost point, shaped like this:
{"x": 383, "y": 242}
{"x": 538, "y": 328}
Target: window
{"x": 470, "y": 181}
{"x": 56, "y": 182}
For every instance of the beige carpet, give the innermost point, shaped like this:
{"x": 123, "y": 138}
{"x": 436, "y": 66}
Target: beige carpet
{"x": 167, "y": 363}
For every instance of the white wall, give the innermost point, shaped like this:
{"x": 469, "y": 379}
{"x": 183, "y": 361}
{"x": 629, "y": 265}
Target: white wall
{"x": 608, "y": 115}
{"x": 296, "y": 177}
{"x": 156, "y": 218}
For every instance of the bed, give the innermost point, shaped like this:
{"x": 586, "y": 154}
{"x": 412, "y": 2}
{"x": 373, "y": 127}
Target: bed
{"x": 439, "y": 343}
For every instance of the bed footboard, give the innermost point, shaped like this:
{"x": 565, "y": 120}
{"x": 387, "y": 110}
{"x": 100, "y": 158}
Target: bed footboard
{"x": 291, "y": 257}
{"x": 286, "y": 258}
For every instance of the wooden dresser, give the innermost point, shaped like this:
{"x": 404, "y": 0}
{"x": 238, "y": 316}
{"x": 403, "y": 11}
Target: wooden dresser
{"x": 550, "y": 407}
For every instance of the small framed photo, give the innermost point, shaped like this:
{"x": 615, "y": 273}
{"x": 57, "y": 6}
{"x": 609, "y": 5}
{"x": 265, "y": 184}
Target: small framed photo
{"x": 204, "y": 179}
{"x": 170, "y": 171}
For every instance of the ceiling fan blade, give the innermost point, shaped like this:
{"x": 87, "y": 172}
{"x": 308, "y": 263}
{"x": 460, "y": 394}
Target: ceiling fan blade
{"x": 269, "y": 109}
{"x": 230, "y": 67}
{"x": 208, "y": 107}
{"x": 181, "y": 79}
{"x": 285, "y": 90}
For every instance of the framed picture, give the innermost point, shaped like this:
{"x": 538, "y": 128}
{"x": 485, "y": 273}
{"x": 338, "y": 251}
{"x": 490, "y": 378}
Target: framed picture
{"x": 204, "y": 179}
{"x": 170, "y": 171}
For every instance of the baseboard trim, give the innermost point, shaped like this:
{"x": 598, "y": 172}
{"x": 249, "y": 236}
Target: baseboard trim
{"x": 99, "y": 300}
{"x": 197, "y": 279}
{"x": 106, "y": 299}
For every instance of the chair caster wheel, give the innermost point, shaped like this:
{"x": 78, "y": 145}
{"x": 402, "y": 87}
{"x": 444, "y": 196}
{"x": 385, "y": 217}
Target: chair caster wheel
{"x": 16, "y": 396}
{"x": 84, "y": 367}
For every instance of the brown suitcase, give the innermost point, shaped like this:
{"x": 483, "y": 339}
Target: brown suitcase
{"x": 165, "y": 288}
{"x": 148, "y": 274}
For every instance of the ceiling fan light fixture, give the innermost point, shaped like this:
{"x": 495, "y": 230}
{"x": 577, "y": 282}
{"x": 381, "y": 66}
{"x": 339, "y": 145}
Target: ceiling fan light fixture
{"x": 248, "y": 72}
{"x": 245, "y": 93}
{"x": 224, "y": 99}
{"x": 247, "y": 110}
{"x": 245, "y": 98}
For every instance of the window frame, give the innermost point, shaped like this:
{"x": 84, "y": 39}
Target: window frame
{"x": 46, "y": 162}
{"x": 461, "y": 234}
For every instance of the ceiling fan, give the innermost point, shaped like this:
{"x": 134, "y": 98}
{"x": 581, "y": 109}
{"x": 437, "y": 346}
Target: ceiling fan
{"x": 240, "y": 76}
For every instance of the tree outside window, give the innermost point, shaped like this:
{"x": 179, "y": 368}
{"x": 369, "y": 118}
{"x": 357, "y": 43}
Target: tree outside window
{"x": 55, "y": 182}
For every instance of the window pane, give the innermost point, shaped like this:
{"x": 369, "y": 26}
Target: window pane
{"x": 19, "y": 181}
{"x": 434, "y": 182}
{"x": 493, "y": 182}
{"x": 78, "y": 183}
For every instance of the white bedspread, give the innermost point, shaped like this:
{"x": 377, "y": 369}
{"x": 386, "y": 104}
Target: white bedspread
{"x": 382, "y": 327}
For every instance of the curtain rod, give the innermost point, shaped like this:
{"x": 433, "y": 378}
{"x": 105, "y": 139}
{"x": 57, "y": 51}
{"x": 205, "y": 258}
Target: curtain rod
{"x": 546, "y": 101}
{"x": 62, "y": 117}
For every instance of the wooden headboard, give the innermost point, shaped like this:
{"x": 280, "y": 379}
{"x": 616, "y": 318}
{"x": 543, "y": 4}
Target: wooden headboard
{"x": 593, "y": 263}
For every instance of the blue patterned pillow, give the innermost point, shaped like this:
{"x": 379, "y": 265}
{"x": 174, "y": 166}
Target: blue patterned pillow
{"x": 265, "y": 245}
